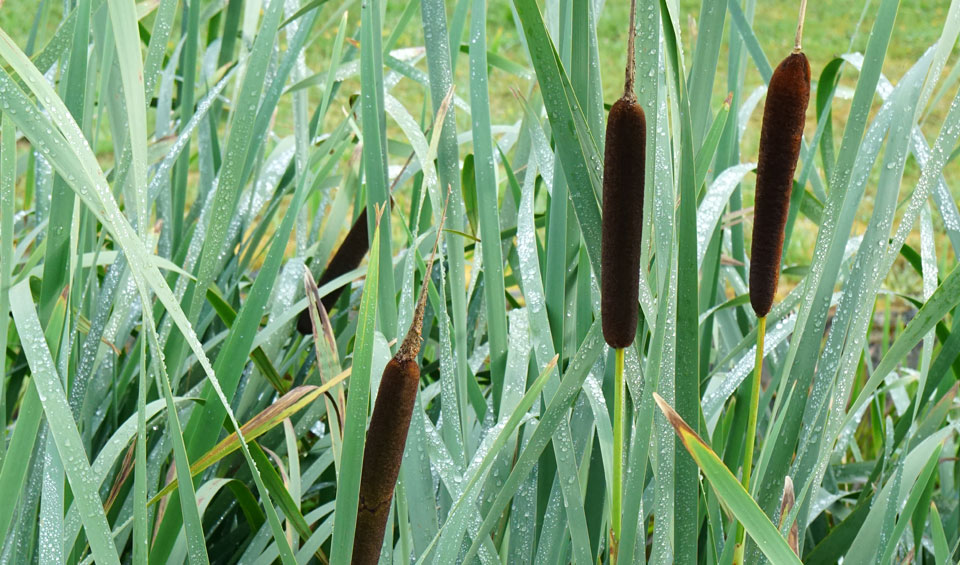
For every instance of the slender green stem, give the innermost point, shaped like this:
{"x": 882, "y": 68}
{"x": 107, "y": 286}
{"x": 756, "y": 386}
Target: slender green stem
{"x": 617, "y": 456}
{"x": 751, "y": 430}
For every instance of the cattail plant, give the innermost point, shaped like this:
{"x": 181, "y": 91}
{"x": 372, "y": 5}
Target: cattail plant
{"x": 387, "y": 434}
{"x": 780, "y": 137}
{"x": 347, "y": 258}
{"x": 623, "y": 177}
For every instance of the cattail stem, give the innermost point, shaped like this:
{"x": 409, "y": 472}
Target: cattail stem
{"x": 751, "y": 430}
{"x": 617, "y": 456}
{"x": 631, "y": 70}
{"x": 799, "y": 37}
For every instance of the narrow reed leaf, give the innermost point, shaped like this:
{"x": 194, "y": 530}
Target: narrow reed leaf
{"x": 487, "y": 201}
{"x": 124, "y": 19}
{"x": 141, "y": 532}
{"x": 375, "y": 155}
{"x": 687, "y": 352}
{"x": 62, "y": 426}
{"x": 354, "y": 432}
{"x": 559, "y": 405}
{"x": 574, "y": 143}
{"x": 284, "y": 407}
{"x": 8, "y": 179}
{"x": 730, "y": 491}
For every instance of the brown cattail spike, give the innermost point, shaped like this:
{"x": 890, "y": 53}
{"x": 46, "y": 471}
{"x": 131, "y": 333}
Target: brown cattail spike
{"x": 780, "y": 137}
{"x": 387, "y": 435}
{"x": 382, "y": 454}
{"x": 623, "y": 177}
{"x": 347, "y": 258}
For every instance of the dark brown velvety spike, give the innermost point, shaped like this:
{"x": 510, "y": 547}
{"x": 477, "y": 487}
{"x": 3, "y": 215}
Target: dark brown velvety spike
{"x": 347, "y": 258}
{"x": 383, "y": 454}
{"x": 780, "y": 137}
{"x": 623, "y": 169}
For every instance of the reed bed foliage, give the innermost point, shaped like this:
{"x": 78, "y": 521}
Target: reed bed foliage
{"x": 170, "y": 171}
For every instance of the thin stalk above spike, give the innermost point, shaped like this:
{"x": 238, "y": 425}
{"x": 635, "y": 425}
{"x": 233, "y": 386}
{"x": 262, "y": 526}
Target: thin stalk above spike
{"x": 631, "y": 70}
{"x": 798, "y": 39}
{"x": 411, "y": 343}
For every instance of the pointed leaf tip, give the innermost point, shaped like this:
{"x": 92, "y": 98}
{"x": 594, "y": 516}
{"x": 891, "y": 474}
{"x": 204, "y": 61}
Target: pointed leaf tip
{"x": 675, "y": 420}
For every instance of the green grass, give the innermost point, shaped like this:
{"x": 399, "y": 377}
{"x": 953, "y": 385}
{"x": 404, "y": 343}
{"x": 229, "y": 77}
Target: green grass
{"x": 153, "y": 245}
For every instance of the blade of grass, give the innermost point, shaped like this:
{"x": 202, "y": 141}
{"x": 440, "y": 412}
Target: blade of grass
{"x": 555, "y": 412}
{"x": 61, "y": 202}
{"x": 185, "y": 101}
{"x": 714, "y": 201}
{"x": 284, "y": 407}
{"x": 355, "y": 424}
{"x": 440, "y": 69}
{"x": 711, "y": 144}
{"x": 941, "y": 550}
{"x": 375, "y": 162}
{"x": 62, "y": 426}
{"x": 50, "y": 518}
{"x": 159, "y": 35}
{"x": 686, "y": 481}
{"x": 730, "y": 491}
{"x": 578, "y": 153}
{"x": 141, "y": 531}
{"x": 705, "y": 62}
{"x": 124, "y": 18}
{"x": 8, "y": 179}
{"x": 487, "y": 201}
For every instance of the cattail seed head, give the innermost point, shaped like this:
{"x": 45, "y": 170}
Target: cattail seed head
{"x": 780, "y": 138}
{"x": 347, "y": 258}
{"x": 623, "y": 178}
{"x": 382, "y": 455}
{"x": 387, "y": 434}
